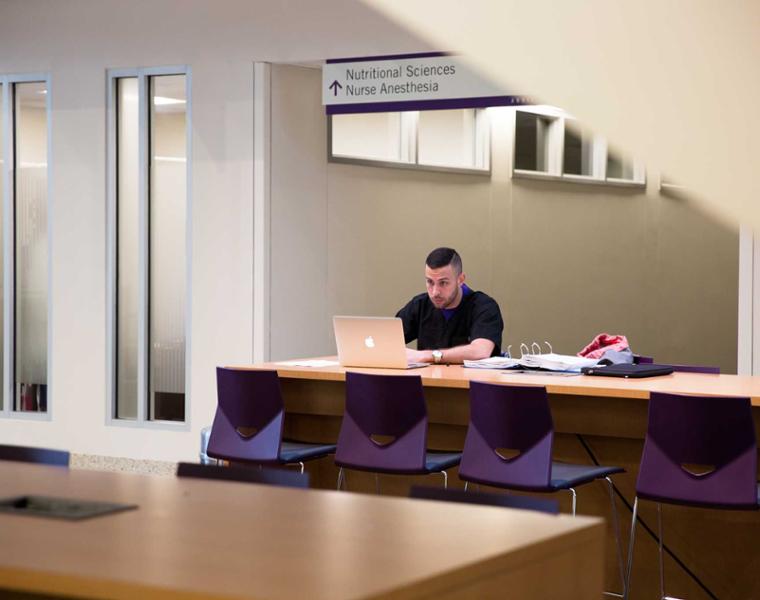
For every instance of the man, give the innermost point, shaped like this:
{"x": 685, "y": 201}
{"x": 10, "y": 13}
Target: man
{"x": 451, "y": 322}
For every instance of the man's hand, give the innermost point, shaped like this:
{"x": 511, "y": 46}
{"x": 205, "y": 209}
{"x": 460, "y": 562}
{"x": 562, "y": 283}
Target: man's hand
{"x": 419, "y": 356}
{"x": 475, "y": 350}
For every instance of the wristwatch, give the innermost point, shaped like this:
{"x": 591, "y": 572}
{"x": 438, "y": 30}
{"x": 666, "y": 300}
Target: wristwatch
{"x": 437, "y": 356}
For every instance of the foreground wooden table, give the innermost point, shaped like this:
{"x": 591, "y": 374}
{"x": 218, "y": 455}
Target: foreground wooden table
{"x": 201, "y": 539}
{"x": 709, "y": 554}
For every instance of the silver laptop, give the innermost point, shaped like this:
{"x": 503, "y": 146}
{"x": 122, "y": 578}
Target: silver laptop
{"x": 376, "y": 342}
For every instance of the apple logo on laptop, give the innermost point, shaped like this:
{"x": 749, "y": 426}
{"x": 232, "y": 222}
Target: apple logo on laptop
{"x": 369, "y": 342}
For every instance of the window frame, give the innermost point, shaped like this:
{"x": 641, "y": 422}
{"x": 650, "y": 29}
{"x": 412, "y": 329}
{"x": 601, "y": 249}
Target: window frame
{"x": 598, "y": 156}
{"x": 555, "y": 142}
{"x": 143, "y": 355}
{"x": 409, "y": 147}
{"x": 639, "y": 174}
{"x": 556, "y": 154}
{"x": 7, "y": 195}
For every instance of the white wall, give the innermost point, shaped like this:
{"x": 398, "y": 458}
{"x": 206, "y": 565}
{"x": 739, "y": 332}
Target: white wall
{"x": 76, "y": 42}
{"x": 299, "y": 235}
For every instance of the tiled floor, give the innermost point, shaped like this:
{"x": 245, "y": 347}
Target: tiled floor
{"x": 124, "y": 465}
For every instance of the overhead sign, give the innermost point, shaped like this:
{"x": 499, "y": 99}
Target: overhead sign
{"x": 407, "y": 82}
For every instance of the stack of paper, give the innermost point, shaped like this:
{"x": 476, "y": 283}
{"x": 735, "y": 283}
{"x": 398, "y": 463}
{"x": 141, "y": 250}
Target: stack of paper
{"x": 495, "y": 362}
{"x": 548, "y": 362}
{"x": 556, "y": 362}
{"x": 312, "y": 362}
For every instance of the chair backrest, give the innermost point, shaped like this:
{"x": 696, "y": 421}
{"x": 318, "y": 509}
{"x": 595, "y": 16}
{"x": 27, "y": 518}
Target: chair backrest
{"x": 244, "y": 474}
{"x": 44, "y": 456}
{"x": 695, "y": 369}
{"x": 249, "y": 416}
{"x": 699, "y": 450}
{"x": 638, "y": 359}
{"x": 510, "y": 437}
{"x": 384, "y": 423}
{"x": 545, "y": 505}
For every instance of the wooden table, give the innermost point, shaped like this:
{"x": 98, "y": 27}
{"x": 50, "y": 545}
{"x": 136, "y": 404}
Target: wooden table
{"x": 596, "y": 419}
{"x": 203, "y": 539}
{"x": 456, "y": 376}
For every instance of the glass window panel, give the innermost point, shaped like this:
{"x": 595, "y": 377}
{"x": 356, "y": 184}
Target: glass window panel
{"x": 168, "y": 175}
{"x": 532, "y": 142}
{"x": 578, "y": 152}
{"x": 375, "y": 136}
{"x": 2, "y": 246}
{"x": 30, "y": 203}
{"x": 447, "y": 138}
{"x": 619, "y": 167}
{"x": 127, "y": 225}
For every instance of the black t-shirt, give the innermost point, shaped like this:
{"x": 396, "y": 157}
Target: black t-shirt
{"x": 477, "y": 316}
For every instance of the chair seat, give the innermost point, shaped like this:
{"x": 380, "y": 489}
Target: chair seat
{"x": 563, "y": 476}
{"x": 671, "y": 500}
{"x": 567, "y": 475}
{"x": 293, "y": 452}
{"x": 440, "y": 461}
{"x": 434, "y": 463}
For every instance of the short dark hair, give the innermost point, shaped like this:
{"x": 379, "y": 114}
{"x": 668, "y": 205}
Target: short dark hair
{"x": 443, "y": 257}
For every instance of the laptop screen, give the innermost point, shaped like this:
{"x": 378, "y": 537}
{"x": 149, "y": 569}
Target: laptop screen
{"x": 376, "y": 342}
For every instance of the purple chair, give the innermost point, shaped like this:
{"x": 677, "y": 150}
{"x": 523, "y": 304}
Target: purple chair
{"x": 249, "y": 419}
{"x": 509, "y": 445}
{"x": 545, "y": 505}
{"x": 698, "y": 451}
{"x": 694, "y": 369}
{"x": 245, "y": 474}
{"x": 43, "y": 456}
{"x": 384, "y": 428}
{"x": 682, "y": 368}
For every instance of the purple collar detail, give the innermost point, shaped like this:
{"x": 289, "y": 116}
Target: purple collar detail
{"x": 449, "y": 312}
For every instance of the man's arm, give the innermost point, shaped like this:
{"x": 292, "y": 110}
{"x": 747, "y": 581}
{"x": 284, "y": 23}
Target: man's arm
{"x": 409, "y": 316}
{"x": 475, "y": 350}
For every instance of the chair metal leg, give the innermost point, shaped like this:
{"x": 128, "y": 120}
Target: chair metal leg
{"x": 300, "y": 463}
{"x": 377, "y": 483}
{"x": 572, "y": 491}
{"x": 618, "y": 542}
{"x": 631, "y": 544}
{"x": 662, "y": 565}
{"x": 617, "y": 534}
{"x": 340, "y": 478}
{"x": 445, "y": 479}
{"x": 465, "y": 485}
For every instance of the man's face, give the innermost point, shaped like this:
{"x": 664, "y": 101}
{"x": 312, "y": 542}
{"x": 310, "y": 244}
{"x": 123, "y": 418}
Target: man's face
{"x": 443, "y": 286}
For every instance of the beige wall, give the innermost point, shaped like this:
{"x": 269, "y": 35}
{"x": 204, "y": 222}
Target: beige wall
{"x": 344, "y": 239}
{"x": 565, "y": 261}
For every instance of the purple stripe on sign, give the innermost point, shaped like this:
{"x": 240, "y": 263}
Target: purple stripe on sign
{"x": 333, "y": 61}
{"x": 449, "y": 103}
